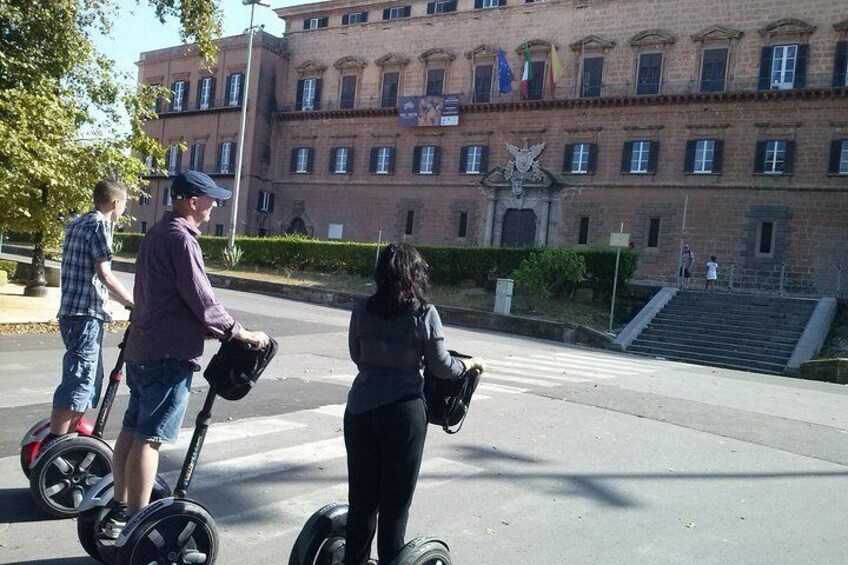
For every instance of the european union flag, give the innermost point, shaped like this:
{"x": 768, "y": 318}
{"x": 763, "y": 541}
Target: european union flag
{"x": 505, "y": 75}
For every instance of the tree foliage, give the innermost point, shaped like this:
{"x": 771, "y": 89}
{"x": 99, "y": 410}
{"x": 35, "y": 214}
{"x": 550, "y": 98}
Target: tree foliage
{"x": 61, "y": 106}
{"x": 551, "y": 272}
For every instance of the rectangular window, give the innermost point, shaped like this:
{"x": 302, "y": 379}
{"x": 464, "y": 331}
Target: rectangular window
{"x": 206, "y": 93}
{"x": 148, "y": 162}
{"x": 765, "y": 243}
{"x": 441, "y": 7}
{"x": 704, "y": 153}
{"x": 490, "y": 3}
{"x": 843, "y": 158}
{"x": 234, "y": 89}
{"x": 309, "y": 90}
{"x": 178, "y": 97}
{"x": 166, "y": 196}
{"x": 783, "y": 62}
{"x": 355, "y": 18}
{"x": 435, "y": 82}
{"x": 641, "y": 151}
{"x": 173, "y": 160}
{"x": 144, "y": 200}
{"x": 775, "y": 157}
{"x": 264, "y": 204}
{"x": 650, "y": 66}
{"x": 302, "y": 160}
{"x": 410, "y": 222}
{"x": 590, "y": 85}
{"x": 143, "y": 226}
{"x": 341, "y": 160}
{"x": 397, "y": 12}
{"x": 713, "y": 70}
{"x": 654, "y": 233}
{"x": 196, "y": 161}
{"x": 220, "y": 203}
{"x": 474, "y": 160}
{"x": 315, "y": 23}
{"x": 384, "y": 160}
{"x": 219, "y": 230}
{"x": 483, "y": 83}
{"x": 463, "y": 224}
{"x": 348, "y": 95}
{"x": 580, "y": 158}
{"x": 583, "y": 231}
{"x": 537, "y": 82}
{"x": 225, "y": 158}
{"x": 840, "y": 65}
{"x": 428, "y": 160}
{"x": 388, "y": 98}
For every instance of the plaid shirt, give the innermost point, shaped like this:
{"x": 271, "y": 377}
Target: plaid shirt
{"x": 175, "y": 306}
{"x": 88, "y": 241}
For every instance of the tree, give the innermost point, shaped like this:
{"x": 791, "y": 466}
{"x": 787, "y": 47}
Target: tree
{"x": 60, "y": 106}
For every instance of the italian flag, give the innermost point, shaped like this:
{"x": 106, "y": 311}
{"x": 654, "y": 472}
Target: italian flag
{"x": 526, "y": 76}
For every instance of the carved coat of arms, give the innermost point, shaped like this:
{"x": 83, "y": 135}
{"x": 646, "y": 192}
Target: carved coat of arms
{"x": 524, "y": 165}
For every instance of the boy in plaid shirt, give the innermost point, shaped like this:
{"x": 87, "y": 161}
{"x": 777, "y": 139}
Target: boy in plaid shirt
{"x": 87, "y": 280}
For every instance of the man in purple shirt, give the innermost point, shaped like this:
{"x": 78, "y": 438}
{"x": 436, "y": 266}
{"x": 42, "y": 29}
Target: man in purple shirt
{"x": 174, "y": 310}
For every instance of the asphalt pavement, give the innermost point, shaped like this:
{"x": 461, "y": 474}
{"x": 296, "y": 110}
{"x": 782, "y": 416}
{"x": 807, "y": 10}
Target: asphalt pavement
{"x": 569, "y": 455}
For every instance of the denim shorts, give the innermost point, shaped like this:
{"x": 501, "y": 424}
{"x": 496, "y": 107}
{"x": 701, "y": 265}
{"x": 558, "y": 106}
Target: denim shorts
{"x": 159, "y": 393}
{"x": 82, "y": 365}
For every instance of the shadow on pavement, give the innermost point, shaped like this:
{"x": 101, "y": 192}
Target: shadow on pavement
{"x": 16, "y": 505}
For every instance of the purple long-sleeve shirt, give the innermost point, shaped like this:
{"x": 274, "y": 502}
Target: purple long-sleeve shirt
{"x": 175, "y": 306}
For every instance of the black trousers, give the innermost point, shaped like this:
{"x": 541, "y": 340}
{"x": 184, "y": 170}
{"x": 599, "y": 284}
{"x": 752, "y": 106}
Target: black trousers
{"x": 384, "y": 449}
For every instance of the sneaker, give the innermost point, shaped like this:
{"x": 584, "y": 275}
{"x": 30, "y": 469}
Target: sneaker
{"x": 115, "y": 521}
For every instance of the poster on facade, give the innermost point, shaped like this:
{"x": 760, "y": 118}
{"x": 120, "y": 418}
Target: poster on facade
{"x": 429, "y": 111}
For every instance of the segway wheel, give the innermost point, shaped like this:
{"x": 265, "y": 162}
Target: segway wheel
{"x": 63, "y": 472}
{"x": 424, "y": 551}
{"x": 322, "y": 539}
{"x": 88, "y": 522}
{"x": 179, "y": 533}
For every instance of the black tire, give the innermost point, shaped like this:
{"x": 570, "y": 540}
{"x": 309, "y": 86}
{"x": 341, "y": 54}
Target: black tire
{"x": 63, "y": 472}
{"x": 160, "y": 534}
{"x": 321, "y": 541}
{"x": 424, "y": 551}
{"x": 25, "y": 465}
{"x": 88, "y": 522}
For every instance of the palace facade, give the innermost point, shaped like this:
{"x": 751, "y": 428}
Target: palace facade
{"x": 724, "y": 125}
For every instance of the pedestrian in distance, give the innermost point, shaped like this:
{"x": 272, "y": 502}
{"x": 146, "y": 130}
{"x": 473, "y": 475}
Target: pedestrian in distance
{"x": 712, "y": 273}
{"x": 175, "y": 308}
{"x": 685, "y": 272}
{"x": 87, "y": 281}
{"x": 393, "y": 335}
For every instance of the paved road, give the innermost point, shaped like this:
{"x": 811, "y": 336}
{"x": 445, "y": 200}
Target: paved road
{"x": 570, "y": 455}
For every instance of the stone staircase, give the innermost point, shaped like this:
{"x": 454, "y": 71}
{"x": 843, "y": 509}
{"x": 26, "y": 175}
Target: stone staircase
{"x": 735, "y": 331}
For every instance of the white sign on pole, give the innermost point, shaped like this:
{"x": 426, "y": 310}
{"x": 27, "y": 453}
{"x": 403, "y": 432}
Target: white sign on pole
{"x": 619, "y": 239}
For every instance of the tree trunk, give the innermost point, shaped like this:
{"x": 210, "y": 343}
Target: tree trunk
{"x": 37, "y": 283}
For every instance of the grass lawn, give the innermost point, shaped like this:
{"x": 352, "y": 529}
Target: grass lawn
{"x": 586, "y": 313}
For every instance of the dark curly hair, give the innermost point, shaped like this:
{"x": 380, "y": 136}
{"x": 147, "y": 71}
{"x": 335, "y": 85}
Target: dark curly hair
{"x": 403, "y": 281}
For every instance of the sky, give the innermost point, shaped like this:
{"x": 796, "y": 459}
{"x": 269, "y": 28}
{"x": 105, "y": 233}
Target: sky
{"x": 136, "y": 29}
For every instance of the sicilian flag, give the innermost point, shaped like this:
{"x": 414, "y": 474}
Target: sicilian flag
{"x": 526, "y": 76}
{"x": 505, "y": 75}
{"x": 556, "y": 70}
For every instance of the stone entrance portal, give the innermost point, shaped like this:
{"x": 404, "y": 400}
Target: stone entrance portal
{"x": 523, "y": 201}
{"x": 519, "y": 228}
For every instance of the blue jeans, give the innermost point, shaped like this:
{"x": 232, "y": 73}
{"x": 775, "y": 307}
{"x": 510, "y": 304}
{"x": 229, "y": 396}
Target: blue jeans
{"x": 159, "y": 393}
{"x": 82, "y": 365}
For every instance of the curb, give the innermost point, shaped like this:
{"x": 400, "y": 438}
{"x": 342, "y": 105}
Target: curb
{"x": 516, "y": 325}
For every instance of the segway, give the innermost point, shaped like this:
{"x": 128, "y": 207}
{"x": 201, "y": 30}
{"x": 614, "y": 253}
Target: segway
{"x": 322, "y": 539}
{"x": 174, "y": 529}
{"x": 61, "y": 470}
{"x": 322, "y": 542}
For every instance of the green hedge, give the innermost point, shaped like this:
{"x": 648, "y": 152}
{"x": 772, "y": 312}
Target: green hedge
{"x": 448, "y": 265}
{"x": 9, "y": 267}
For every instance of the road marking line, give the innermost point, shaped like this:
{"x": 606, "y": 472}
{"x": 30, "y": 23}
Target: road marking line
{"x": 336, "y": 410}
{"x": 264, "y": 463}
{"x": 545, "y": 362}
{"x": 236, "y": 430}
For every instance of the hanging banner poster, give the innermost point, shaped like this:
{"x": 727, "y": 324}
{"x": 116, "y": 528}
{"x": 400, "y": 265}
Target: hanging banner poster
{"x": 429, "y": 111}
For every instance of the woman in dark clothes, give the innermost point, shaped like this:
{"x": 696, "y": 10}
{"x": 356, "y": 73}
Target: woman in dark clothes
{"x": 393, "y": 335}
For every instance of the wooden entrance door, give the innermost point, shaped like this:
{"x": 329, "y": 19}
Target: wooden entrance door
{"x": 519, "y": 228}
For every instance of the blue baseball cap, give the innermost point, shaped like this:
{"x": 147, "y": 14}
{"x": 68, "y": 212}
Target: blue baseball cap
{"x": 195, "y": 183}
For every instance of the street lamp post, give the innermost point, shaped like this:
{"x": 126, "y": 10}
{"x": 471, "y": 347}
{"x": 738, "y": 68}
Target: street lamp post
{"x": 237, "y": 184}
